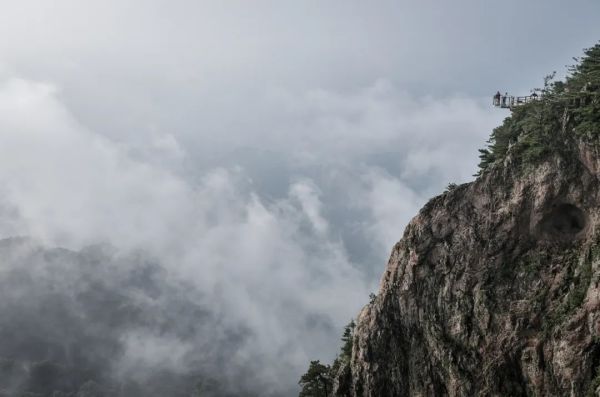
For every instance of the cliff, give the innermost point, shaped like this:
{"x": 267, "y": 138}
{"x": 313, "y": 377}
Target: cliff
{"x": 493, "y": 289}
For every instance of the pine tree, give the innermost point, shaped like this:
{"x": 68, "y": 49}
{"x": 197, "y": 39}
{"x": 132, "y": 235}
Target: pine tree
{"x": 347, "y": 340}
{"x": 316, "y": 382}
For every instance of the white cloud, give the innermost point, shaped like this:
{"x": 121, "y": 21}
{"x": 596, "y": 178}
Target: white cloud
{"x": 255, "y": 262}
{"x": 392, "y": 204}
{"x": 268, "y": 262}
{"x": 308, "y": 196}
{"x": 269, "y": 153}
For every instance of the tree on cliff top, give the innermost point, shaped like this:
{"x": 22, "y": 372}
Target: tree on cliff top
{"x": 532, "y": 130}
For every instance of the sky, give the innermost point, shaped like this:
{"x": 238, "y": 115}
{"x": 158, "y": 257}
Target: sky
{"x": 267, "y": 153}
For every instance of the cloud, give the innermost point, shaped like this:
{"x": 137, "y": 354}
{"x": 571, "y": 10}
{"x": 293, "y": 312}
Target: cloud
{"x": 256, "y": 264}
{"x": 392, "y": 204}
{"x": 283, "y": 265}
{"x": 282, "y": 268}
{"x": 249, "y": 164}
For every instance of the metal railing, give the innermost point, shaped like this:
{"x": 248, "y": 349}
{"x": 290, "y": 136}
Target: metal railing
{"x": 509, "y": 101}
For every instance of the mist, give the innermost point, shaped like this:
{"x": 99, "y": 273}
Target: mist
{"x": 198, "y": 197}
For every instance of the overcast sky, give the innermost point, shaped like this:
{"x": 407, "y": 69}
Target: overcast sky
{"x": 269, "y": 151}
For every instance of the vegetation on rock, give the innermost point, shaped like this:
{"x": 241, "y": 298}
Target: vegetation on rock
{"x": 530, "y": 132}
{"x": 318, "y": 380}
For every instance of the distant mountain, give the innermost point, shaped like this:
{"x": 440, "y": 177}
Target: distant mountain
{"x": 93, "y": 323}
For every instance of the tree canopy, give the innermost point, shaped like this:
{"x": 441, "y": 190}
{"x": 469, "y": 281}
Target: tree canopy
{"x": 317, "y": 381}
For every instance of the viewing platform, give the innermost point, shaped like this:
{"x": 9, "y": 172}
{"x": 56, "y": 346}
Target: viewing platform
{"x": 509, "y": 102}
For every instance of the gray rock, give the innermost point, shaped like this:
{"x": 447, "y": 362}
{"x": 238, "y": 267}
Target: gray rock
{"x": 493, "y": 290}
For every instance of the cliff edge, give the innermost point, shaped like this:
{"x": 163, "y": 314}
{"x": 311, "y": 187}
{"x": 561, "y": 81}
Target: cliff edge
{"x": 494, "y": 287}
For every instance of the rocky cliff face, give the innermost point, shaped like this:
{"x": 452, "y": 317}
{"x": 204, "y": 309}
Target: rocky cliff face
{"x": 493, "y": 289}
